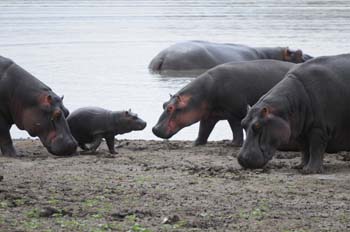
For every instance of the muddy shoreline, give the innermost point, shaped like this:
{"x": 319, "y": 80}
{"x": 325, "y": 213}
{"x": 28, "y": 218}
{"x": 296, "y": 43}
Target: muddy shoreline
{"x": 169, "y": 186}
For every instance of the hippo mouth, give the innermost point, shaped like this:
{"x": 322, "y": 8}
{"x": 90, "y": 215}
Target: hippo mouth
{"x": 141, "y": 126}
{"x": 254, "y": 156}
{"x": 58, "y": 145}
{"x": 165, "y": 132}
{"x": 266, "y": 155}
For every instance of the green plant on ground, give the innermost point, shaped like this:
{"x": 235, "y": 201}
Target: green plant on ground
{"x": 138, "y": 228}
{"x": 71, "y": 224}
{"x": 3, "y": 204}
{"x": 257, "y": 213}
{"x": 31, "y": 224}
{"x": 33, "y": 213}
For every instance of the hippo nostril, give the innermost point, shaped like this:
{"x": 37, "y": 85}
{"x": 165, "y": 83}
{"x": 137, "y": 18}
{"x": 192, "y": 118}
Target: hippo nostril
{"x": 143, "y": 125}
{"x": 155, "y": 131}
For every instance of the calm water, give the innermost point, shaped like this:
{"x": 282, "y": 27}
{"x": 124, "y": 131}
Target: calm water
{"x": 97, "y": 52}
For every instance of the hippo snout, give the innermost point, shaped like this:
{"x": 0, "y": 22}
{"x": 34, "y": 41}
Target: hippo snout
{"x": 251, "y": 160}
{"x": 63, "y": 146}
{"x": 142, "y": 125}
{"x": 159, "y": 132}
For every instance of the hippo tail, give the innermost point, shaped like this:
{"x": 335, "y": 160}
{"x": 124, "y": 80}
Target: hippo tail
{"x": 156, "y": 63}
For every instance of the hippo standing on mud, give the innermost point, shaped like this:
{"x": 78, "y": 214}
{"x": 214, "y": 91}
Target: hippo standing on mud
{"x": 221, "y": 93}
{"x": 90, "y": 124}
{"x": 195, "y": 57}
{"x": 32, "y": 106}
{"x": 311, "y": 106}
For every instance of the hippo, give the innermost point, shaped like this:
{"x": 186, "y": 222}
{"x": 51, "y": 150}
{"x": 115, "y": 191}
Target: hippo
{"x": 90, "y": 124}
{"x": 32, "y": 106}
{"x": 310, "y": 106}
{"x": 195, "y": 57}
{"x": 221, "y": 93}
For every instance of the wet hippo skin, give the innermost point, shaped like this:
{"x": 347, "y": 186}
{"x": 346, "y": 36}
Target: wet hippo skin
{"x": 195, "y": 57}
{"x": 32, "y": 106}
{"x": 90, "y": 124}
{"x": 222, "y": 93}
{"x": 310, "y": 106}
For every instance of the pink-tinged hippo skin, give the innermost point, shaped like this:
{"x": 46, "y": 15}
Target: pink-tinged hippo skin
{"x": 89, "y": 125}
{"x": 221, "y": 93}
{"x": 195, "y": 57}
{"x": 32, "y": 106}
{"x": 310, "y": 106}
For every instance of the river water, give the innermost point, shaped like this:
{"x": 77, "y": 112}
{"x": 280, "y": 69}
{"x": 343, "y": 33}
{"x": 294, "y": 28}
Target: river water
{"x": 96, "y": 52}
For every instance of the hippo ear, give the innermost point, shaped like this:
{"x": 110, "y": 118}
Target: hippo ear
{"x": 299, "y": 55}
{"x": 248, "y": 108}
{"x": 62, "y": 97}
{"x": 286, "y": 53}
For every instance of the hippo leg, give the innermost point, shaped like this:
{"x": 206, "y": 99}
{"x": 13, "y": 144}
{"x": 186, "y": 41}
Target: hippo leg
{"x": 206, "y": 126}
{"x": 237, "y": 132}
{"x": 6, "y": 144}
{"x": 317, "y": 147}
{"x": 95, "y": 143}
{"x": 110, "y": 144}
{"x": 305, "y": 157}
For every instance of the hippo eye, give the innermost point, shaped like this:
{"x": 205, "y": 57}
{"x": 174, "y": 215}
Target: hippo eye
{"x": 170, "y": 108}
{"x": 256, "y": 127}
{"x": 56, "y": 115}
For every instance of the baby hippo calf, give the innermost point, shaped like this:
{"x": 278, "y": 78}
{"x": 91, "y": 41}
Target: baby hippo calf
{"x": 89, "y": 125}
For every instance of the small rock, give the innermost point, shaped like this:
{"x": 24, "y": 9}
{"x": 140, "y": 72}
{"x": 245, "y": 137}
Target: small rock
{"x": 48, "y": 212}
{"x": 171, "y": 219}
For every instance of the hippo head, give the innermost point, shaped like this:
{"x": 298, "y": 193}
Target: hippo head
{"x": 47, "y": 120}
{"x": 265, "y": 131}
{"x": 126, "y": 121}
{"x": 295, "y": 56}
{"x": 180, "y": 111}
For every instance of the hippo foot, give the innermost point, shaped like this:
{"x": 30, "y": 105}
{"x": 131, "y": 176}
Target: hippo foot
{"x": 236, "y": 143}
{"x": 312, "y": 170}
{"x": 110, "y": 155}
{"x": 10, "y": 151}
{"x": 89, "y": 152}
{"x": 76, "y": 153}
{"x": 198, "y": 142}
{"x": 299, "y": 166}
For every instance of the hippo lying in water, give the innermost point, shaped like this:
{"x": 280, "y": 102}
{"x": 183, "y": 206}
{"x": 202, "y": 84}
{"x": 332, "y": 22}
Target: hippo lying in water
{"x": 32, "y": 106}
{"x": 222, "y": 93}
{"x": 195, "y": 57}
{"x": 311, "y": 106}
{"x": 90, "y": 124}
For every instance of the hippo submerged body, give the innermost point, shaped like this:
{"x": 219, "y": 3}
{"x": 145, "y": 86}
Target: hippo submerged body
{"x": 195, "y": 57}
{"x": 222, "y": 93}
{"x": 90, "y": 124}
{"x": 311, "y": 106}
{"x": 32, "y": 106}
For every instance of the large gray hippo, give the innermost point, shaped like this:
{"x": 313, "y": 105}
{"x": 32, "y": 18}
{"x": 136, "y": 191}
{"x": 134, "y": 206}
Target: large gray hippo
{"x": 32, "y": 106}
{"x": 195, "y": 57}
{"x": 221, "y": 93}
{"x": 310, "y": 106}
